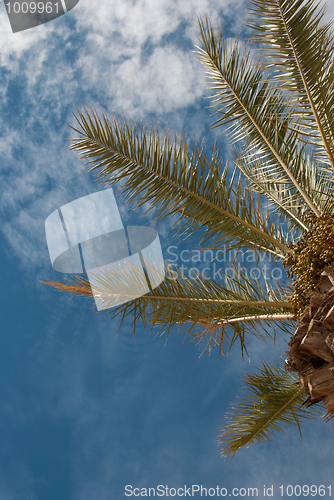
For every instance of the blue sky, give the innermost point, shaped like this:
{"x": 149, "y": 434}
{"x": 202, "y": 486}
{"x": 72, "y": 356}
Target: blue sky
{"x": 85, "y": 411}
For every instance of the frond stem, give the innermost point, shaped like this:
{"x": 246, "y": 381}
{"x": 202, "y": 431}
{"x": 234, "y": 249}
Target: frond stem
{"x": 262, "y": 303}
{"x": 260, "y": 317}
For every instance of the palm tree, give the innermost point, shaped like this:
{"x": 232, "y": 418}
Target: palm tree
{"x": 276, "y": 93}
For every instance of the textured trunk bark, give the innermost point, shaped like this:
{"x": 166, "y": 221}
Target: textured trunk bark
{"x": 311, "y": 352}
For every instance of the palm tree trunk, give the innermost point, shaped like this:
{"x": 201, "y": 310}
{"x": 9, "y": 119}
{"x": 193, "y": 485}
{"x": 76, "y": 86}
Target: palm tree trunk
{"x": 311, "y": 351}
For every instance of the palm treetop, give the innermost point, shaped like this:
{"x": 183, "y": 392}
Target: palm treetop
{"x": 275, "y": 96}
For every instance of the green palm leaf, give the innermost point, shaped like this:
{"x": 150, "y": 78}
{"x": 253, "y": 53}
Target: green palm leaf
{"x": 212, "y": 313}
{"x": 256, "y": 110}
{"x": 298, "y": 48}
{"x": 217, "y": 313}
{"x": 273, "y": 404}
{"x": 285, "y": 199}
{"x": 165, "y": 175}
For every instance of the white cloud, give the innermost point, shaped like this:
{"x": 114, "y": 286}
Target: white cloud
{"x": 138, "y": 20}
{"x": 169, "y": 80}
{"x": 117, "y": 55}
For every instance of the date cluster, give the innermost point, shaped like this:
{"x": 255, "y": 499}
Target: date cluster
{"x": 310, "y": 255}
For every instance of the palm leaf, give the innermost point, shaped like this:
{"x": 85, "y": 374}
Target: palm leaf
{"x": 213, "y": 313}
{"x": 273, "y": 404}
{"x": 255, "y": 109}
{"x": 216, "y": 313}
{"x": 76, "y": 284}
{"x": 299, "y": 50}
{"x": 285, "y": 199}
{"x": 164, "y": 175}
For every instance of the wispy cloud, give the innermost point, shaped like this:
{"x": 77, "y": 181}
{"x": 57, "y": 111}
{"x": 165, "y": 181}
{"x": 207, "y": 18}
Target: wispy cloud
{"x": 133, "y": 58}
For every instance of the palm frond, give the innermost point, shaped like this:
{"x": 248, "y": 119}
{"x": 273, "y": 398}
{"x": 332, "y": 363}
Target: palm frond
{"x": 173, "y": 181}
{"x": 298, "y": 47}
{"x": 273, "y": 403}
{"x": 255, "y": 109}
{"x": 285, "y": 199}
{"x": 209, "y": 310}
{"x": 76, "y": 284}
